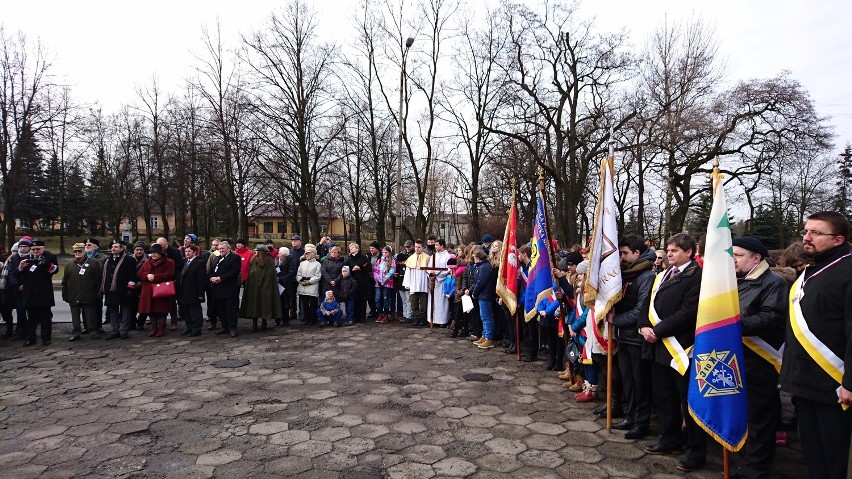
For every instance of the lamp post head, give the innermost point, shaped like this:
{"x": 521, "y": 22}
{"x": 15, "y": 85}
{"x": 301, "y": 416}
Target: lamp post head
{"x": 409, "y": 42}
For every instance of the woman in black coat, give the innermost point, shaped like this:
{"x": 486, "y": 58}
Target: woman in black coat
{"x": 362, "y": 272}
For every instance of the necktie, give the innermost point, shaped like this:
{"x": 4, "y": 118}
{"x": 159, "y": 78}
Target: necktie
{"x": 673, "y": 273}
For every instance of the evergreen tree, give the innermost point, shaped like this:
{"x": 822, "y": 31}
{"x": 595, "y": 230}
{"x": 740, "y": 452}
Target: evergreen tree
{"x": 75, "y": 201}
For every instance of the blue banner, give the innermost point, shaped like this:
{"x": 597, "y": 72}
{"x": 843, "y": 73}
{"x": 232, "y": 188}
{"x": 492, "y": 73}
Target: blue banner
{"x": 540, "y": 276}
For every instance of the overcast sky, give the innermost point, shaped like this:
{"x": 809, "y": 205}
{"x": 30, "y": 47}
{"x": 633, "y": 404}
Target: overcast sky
{"x": 106, "y": 48}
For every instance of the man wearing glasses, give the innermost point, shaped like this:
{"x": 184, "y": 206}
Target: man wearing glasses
{"x": 819, "y": 346}
{"x": 36, "y": 273}
{"x": 81, "y": 282}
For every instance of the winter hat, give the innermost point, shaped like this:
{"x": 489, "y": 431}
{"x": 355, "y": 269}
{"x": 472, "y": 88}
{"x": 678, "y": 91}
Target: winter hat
{"x": 139, "y": 244}
{"x": 573, "y": 257}
{"x": 15, "y": 248}
{"x": 156, "y": 248}
{"x": 408, "y": 243}
{"x": 376, "y": 244}
{"x": 752, "y": 244}
{"x": 388, "y": 248}
{"x": 310, "y": 248}
{"x": 487, "y": 238}
{"x": 284, "y": 250}
{"x": 262, "y": 248}
{"x": 192, "y": 237}
{"x": 94, "y": 241}
{"x": 77, "y": 246}
{"x": 241, "y": 241}
{"x": 25, "y": 241}
{"x": 345, "y": 269}
{"x": 583, "y": 267}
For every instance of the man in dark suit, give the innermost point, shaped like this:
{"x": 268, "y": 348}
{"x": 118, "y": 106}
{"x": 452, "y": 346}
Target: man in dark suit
{"x": 117, "y": 285}
{"x": 191, "y": 284}
{"x": 224, "y": 277}
{"x": 669, "y": 331}
{"x": 36, "y": 274}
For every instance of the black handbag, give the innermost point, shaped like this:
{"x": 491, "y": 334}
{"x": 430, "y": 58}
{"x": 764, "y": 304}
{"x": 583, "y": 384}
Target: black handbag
{"x": 572, "y": 351}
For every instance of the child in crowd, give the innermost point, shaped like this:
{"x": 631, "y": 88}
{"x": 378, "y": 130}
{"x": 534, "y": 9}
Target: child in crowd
{"x": 348, "y": 290}
{"x": 329, "y": 311}
{"x": 580, "y": 330}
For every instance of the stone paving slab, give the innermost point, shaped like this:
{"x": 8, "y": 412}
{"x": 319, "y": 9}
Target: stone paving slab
{"x": 369, "y": 401}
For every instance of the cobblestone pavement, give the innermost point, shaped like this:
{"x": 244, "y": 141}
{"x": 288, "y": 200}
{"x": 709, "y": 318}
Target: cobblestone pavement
{"x": 361, "y": 402}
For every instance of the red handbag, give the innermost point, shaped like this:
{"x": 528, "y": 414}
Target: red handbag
{"x": 164, "y": 290}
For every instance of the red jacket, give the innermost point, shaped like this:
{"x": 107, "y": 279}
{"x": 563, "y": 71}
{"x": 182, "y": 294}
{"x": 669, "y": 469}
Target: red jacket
{"x": 245, "y": 255}
{"x": 163, "y": 270}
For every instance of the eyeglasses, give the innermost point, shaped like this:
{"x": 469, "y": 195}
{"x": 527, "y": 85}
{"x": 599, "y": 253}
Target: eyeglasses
{"x": 814, "y": 234}
{"x": 78, "y": 251}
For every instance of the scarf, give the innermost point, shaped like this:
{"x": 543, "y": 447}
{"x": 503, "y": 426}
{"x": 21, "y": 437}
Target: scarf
{"x": 114, "y": 275}
{"x": 629, "y": 272}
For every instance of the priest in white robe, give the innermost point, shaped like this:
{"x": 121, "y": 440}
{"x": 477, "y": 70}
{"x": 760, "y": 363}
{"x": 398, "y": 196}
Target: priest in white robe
{"x": 416, "y": 280}
{"x": 437, "y": 300}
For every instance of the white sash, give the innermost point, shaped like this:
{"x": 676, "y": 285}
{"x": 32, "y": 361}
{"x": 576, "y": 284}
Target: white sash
{"x": 815, "y": 348}
{"x": 765, "y": 351}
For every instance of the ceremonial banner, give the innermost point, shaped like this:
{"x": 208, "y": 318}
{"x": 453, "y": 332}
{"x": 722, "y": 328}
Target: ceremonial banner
{"x": 717, "y": 395}
{"x": 507, "y": 278}
{"x": 540, "y": 276}
{"x": 603, "y": 280}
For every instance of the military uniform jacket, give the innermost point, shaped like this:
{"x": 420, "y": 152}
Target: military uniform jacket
{"x": 81, "y": 282}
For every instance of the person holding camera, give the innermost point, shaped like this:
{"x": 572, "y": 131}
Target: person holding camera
{"x": 36, "y": 273}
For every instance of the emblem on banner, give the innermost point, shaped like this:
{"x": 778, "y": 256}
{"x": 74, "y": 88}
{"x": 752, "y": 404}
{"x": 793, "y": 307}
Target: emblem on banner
{"x": 718, "y": 374}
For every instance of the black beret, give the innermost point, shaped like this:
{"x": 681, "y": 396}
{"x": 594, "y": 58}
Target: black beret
{"x": 38, "y": 243}
{"x": 752, "y": 244}
{"x": 94, "y": 241}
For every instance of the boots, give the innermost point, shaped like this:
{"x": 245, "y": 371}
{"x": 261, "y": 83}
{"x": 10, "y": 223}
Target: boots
{"x": 566, "y": 375}
{"x": 254, "y": 325}
{"x": 590, "y": 393}
{"x": 263, "y": 325}
{"x": 155, "y": 328}
{"x": 161, "y": 328}
{"x": 577, "y": 385}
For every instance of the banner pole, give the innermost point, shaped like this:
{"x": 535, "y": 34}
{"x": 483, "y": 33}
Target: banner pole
{"x": 517, "y": 336}
{"x": 608, "y": 376}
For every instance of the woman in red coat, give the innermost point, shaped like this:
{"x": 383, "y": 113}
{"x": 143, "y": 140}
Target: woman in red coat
{"x": 158, "y": 269}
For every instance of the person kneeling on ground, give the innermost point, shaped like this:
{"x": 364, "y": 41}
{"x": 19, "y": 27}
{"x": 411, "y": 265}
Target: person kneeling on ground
{"x": 329, "y": 311}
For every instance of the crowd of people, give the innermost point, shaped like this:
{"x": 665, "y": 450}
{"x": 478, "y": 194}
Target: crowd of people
{"x": 796, "y": 311}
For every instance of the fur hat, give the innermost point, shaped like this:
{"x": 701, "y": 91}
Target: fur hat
{"x": 583, "y": 267}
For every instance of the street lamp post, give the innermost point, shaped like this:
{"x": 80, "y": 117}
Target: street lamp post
{"x": 398, "y": 226}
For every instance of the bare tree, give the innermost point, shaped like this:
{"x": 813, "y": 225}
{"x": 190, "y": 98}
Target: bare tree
{"x": 24, "y": 82}
{"x": 294, "y": 105}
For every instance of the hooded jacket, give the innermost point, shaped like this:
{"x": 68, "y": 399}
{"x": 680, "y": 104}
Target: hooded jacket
{"x": 638, "y": 279}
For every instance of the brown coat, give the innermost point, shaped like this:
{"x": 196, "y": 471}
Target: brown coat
{"x": 163, "y": 270}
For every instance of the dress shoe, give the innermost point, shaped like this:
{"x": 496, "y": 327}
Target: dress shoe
{"x": 659, "y": 449}
{"x": 600, "y": 410}
{"x": 76, "y": 337}
{"x": 616, "y": 413}
{"x": 638, "y": 432}
{"x": 623, "y": 425}
{"x": 689, "y": 465}
{"x": 512, "y": 349}
{"x": 527, "y": 358}
{"x": 30, "y": 342}
{"x": 112, "y": 336}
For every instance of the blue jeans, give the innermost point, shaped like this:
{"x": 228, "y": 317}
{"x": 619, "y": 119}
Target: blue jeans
{"x": 383, "y": 300}
{"x": 350, "y": 310}
{"x": 487, "y": 318}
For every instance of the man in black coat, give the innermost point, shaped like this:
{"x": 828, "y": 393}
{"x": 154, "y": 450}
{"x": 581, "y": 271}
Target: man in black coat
{"x": 36, "y": 273}
{"x": 117, "y": 286}
{"x": 191, "y": 285}
{"x": 224, "y": 278}
{"x": 362, "y": 272}
{"x": 669, "y": 330}
{"x": 763, "y": 310}
{"x": 814, "y": 369}
{"x": 637, "y": 276}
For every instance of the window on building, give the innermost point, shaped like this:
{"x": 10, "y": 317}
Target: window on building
{"x": 282, "y": 227}
{"x": 155, "y": 222}
{"x": 267, "y": 227}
